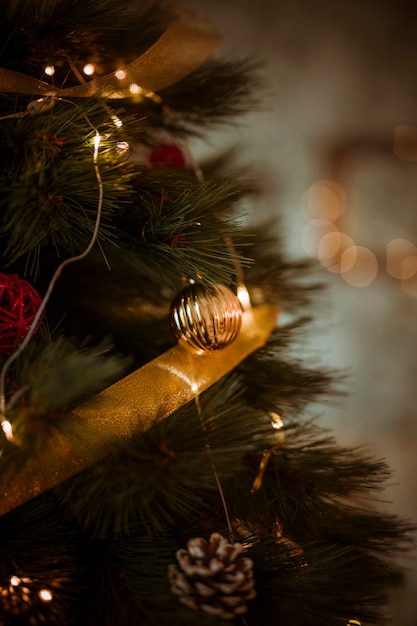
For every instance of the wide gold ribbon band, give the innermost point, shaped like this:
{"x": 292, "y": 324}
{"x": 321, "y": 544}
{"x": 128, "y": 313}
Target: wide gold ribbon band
{"x": 185, "y": 45}
{"x": 131, "y": 406}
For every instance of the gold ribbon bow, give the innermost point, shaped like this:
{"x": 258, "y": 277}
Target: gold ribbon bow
{"x": 184, "y": 46}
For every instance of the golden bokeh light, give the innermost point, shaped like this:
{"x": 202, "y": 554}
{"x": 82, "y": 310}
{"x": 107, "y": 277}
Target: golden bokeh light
{"x": 313, "y": 233}
{"x": 49, "y": 70}
{"x": 332, "y": 245}
{"x": 325, "y": 199}
{"x": 401, "y": 259}
{"x": 45, "y": 595}
{"x": 359, "y": 266}
{"x": 89, "y": 69}
{"x": 135, "y": 89}
{"x": 332, "y": 248}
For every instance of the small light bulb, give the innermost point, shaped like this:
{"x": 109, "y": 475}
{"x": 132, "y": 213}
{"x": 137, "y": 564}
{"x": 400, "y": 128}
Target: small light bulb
{"x": 120, "y": 74}
{"x": 49, "y": 70}
{"x": 135, "y": 89}
{"x": 14, "y": 581}
{"x": 276, "y": 421}
{"x": 122, "y": 146}
{"x": 45, "y": 595}
{"x": 117, "y": 121}
{"x": 243, "y": 297}
{"x": 89, "y": 69}
{"x": 7, "y": 429}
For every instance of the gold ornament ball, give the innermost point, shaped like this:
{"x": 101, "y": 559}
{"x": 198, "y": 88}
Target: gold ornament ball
{"x": 206, "y": 318}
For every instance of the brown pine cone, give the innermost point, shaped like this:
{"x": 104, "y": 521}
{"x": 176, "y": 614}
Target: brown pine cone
{"x": 212, "y": 577}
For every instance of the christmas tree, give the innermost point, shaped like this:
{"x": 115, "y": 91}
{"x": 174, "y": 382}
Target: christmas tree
{"x": 150, "y": 476}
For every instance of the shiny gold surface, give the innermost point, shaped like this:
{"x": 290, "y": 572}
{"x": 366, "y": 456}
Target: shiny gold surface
{"x": 206, "y": 318}
{"x": 133, "y": 405}
{"x": 185, "y": 45}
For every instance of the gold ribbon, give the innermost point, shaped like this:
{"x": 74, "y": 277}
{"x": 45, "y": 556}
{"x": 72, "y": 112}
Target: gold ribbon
{"x": 184, "y": 46}
{"x": 131, "y": 406}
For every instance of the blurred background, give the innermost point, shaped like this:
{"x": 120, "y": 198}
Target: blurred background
{"x": 336, "y": 139}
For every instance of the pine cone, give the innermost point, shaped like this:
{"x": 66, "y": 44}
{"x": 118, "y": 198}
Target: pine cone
{"x": 212, "y": 577}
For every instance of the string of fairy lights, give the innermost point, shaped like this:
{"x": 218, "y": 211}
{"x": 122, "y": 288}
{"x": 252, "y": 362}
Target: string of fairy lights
{"x": 22, "y": 588}
{"x": 38, "y": 107}
{"x": 322, "y": 238}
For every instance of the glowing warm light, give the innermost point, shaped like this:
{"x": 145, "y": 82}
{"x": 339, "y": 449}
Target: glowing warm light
{"x": 348, "y": 258}
{"x": 123, "y": 146}
{"x": 362, "y": 266}
{"x": 313, "y": 233}
{"x": 194, "y": 387}
{"x": 401, "y": 259}
{"x": 354, "y": 622}
{"x": 325, "y": 199}
{"x": 409, "y": 267}
{"x": 337, "y": 245}
{"x": 117, "y": 121}
{"x": 14, "y": 581}
{"x": 89, "y": 69}
{"x": 135, "y": 89}
{"x": 120, "y": 74}
{"x": 97, "y": 140}
{"x": 154, "y": 96}
{"x": 278, "y": 425}
{"x": 49, "y": 70}
{"x": 243, "y": 297}
{"x": 330, "y": 246}
{"x": 7, "y": 429}
{"x": 405, "y": 142}
{"x": 45, "y": 595}
{"x": 276, "y": 421}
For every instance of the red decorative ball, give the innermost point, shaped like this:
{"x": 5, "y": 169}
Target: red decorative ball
{"x": 19, "y": 302}
{"x": 167, "y": 155}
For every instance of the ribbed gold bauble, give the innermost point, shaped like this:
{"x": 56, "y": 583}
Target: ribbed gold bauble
{"x": 206, "y": 318}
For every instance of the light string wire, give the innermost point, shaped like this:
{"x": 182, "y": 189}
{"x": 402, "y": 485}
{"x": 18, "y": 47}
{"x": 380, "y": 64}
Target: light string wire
{"x": 3, "y": 405}
{"x": 240, "y": 281}
{"x": 257, "y": 483}
{"x": 213, "y": 467}
{"x": 39, "y": 108}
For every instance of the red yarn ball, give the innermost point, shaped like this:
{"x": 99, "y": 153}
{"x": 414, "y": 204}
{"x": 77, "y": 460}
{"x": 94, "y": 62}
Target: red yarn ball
{"x": 19, "y": 302}
{"x": 167, "y": 155}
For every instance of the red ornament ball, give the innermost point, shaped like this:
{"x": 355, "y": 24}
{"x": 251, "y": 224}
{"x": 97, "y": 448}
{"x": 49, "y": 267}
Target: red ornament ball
{"x": 19, "y": 302}
{"x": 167, "y": 156}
